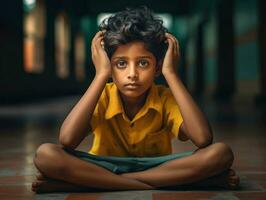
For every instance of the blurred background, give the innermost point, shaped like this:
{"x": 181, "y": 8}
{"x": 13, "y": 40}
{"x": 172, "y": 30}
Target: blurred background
{"x": 45, "y": 67}
{"x": 45, "y": 53}
{"x": 45, "y": 45}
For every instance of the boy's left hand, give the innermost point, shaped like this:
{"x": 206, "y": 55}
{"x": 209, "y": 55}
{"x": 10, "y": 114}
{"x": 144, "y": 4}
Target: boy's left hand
{"x": 172, "y": 55}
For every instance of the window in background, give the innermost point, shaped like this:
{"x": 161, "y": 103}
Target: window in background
{"x": 34, "y": 31}
{"x": 62, "y": 45}
{"x": 80, "y": 57}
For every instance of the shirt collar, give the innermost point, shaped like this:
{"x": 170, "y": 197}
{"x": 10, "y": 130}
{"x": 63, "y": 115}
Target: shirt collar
{"x": 115, "y": 104}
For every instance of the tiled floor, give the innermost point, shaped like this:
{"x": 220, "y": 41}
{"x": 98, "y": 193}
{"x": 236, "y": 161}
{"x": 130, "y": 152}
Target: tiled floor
{"x": 24, "y": 127}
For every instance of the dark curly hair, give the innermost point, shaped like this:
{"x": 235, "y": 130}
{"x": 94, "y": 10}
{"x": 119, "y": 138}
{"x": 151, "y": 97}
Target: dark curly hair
{"x": 134, "y": 24}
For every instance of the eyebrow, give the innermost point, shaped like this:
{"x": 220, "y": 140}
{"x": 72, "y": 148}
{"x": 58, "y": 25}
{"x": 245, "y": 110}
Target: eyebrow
{"x": 124, "y": 57}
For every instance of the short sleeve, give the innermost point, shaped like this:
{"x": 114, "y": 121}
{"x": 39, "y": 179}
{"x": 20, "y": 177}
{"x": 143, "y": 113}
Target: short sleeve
{"x": 172, "y": 115}
{"x": 99, "y": 112}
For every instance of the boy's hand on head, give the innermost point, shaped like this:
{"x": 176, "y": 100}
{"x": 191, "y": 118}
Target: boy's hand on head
{"x": 172, "y": 55}
{"x": 99, "y": 56}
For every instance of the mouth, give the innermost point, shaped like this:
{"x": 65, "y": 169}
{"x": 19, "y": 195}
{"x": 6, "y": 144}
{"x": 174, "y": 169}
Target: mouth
{"x": 132, "y": 86}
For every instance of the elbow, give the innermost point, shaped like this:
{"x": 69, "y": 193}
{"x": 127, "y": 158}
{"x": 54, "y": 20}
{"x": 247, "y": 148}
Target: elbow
{"x": 204, "y": 140}
{"x": 203, "y": 143}
{"x": 65, "y": 140}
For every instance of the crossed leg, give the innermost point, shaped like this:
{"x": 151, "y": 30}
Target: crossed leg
{"x": 68, "y": 173}
{"x": 209, "y": 166}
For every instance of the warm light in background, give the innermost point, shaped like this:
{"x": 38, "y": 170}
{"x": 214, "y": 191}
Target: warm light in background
{"x": 62, "y": 45}
{"x": 80, "y": 56}
{"x": 34, "y": 33}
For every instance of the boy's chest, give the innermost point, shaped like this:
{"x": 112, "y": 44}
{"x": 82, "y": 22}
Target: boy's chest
{"x": 144, "y": 137}
{"x": 138, "y": 127}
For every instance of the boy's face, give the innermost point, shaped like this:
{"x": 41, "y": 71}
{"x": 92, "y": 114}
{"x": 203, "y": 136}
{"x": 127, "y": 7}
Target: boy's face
{"x": 133, "y": 69}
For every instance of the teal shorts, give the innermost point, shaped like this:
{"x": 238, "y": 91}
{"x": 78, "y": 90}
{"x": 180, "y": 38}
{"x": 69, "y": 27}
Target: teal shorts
{"x": 119, "y": 165}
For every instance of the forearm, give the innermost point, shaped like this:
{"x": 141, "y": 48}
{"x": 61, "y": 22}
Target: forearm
{"x": 196, "y": 124}
{"x": 76, "y": 125}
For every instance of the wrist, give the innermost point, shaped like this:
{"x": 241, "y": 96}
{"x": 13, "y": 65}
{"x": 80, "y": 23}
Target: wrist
{"x": 102, "y": 76}
{"x": 168, "y": 73}
{"x": 170, "y": 77}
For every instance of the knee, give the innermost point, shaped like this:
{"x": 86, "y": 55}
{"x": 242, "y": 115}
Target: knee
{"x": 48, "y": 157}
{"x": 219, "y": 156}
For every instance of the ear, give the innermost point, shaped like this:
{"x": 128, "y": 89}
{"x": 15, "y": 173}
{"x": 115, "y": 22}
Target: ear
{"x": 158, "y": 68}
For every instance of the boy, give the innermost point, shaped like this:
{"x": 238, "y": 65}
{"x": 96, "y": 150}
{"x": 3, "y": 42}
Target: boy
{"x": 133, "y": 120}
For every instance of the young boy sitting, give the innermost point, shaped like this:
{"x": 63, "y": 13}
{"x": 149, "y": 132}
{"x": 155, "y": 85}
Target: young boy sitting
{"x": 133, "y": 120}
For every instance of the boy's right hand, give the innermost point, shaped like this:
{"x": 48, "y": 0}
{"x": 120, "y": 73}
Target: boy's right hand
{"x": 99, "y": 56}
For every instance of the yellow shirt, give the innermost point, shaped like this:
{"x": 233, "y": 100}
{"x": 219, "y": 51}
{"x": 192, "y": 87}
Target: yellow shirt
{"x": 149, "y": 133}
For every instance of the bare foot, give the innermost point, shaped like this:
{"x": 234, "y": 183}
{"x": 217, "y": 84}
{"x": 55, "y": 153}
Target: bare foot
{"x": 43, "y": 184}
{"x": 227, "y": 180}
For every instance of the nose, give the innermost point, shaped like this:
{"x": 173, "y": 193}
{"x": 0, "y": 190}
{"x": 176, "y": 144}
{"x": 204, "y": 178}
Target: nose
{"x": 132, "y": 73}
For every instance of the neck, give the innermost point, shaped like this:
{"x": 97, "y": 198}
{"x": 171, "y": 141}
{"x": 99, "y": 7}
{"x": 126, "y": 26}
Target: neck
{"x": 133, "y": 102}
{"x": 132, "y": 105}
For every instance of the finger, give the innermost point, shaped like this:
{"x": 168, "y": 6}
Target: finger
{"x": 97, "y": 35}
{"x": 99, "y": 43}
{"x": 93, "y": 39}
{"x": 177, "y": 46}
{"x": 93, "y": 47}
{"x": 170, "y": 45}
{"x": 170, "y": 42}
{"x": 175, "y": 42}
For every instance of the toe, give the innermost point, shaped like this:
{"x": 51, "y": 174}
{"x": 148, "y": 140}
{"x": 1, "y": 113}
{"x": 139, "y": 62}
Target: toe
{"x": 40, "y": 176}
{"x": 34, "y": 184}
{"x": 37, "y": 183}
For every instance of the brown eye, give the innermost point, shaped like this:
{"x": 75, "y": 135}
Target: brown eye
{"x": 143, "y": 63}
{"x": 121, "y": 64}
